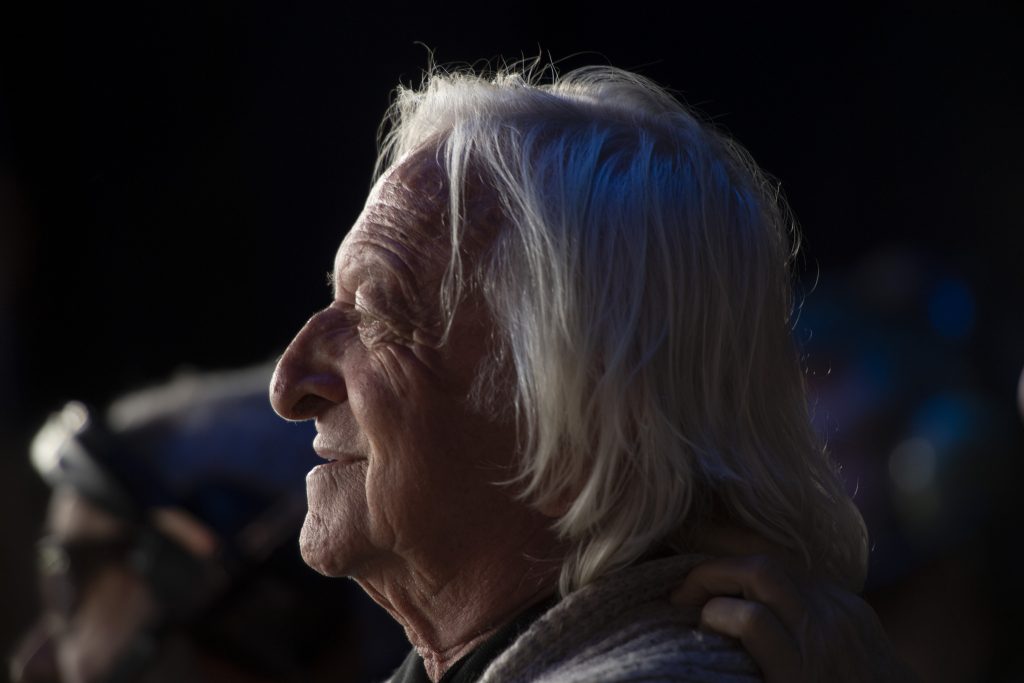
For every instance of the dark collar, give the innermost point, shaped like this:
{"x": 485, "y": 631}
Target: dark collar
{"x": 472, "y": 666}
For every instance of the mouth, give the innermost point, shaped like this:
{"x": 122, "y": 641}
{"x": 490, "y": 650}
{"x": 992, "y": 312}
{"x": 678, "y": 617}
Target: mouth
{"x": 337, "y": 466}
{"x": 335, "y": 455}
{"x": 339, "y": 462}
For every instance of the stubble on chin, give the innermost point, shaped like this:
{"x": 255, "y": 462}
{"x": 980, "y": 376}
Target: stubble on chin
{"x": 312, "y": 543}
{"x": 333, "y": 534}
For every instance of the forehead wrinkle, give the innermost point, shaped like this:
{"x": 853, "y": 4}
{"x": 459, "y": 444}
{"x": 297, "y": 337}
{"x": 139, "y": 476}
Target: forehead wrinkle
{"x": 392, "y": 271}
{"x": 399, "y": 238}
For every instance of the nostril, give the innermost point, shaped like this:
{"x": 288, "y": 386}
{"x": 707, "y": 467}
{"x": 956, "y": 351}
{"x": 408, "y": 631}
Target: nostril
{"x": 307, "y": 407}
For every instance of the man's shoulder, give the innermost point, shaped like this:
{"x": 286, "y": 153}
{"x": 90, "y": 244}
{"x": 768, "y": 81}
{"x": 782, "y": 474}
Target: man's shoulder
{"x": 622, "y": 629}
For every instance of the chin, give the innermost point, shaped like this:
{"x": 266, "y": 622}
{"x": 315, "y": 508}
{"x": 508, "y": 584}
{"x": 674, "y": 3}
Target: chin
{"x": 333, "y": 532}
{"x": 315, "y": 546}
{"x": 331, "y": 549}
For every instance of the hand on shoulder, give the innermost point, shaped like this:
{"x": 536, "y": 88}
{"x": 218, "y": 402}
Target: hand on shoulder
{"x": 797, "y": 628}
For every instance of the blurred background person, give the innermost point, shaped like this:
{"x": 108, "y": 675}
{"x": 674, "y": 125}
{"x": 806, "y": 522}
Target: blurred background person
{"x": 170, "y": 549}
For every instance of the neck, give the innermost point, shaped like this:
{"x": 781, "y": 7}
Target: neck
{"x": 447, "y": 614}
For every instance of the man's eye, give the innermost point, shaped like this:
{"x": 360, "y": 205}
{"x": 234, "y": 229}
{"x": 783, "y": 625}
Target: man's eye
{"x": 372, "y": 330}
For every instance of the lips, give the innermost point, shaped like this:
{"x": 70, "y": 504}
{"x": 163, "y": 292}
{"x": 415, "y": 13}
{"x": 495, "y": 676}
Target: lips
{"x": 332, "y": 452}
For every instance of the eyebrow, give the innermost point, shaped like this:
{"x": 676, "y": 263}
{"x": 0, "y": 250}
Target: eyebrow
{"x": 393, "y": 295}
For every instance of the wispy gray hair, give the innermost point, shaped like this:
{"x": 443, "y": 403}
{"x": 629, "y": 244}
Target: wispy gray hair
{"x": 642, "y": 297}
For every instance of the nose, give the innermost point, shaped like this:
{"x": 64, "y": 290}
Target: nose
{"x": 34, "y": 660}
{"x": 308, "y": 378}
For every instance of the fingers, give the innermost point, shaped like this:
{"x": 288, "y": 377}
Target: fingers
{"x": 754, "y": 600}
{"x": 762, "y": 634}
{"x": 797, "y": 628}
{"x": 756, "y": 578}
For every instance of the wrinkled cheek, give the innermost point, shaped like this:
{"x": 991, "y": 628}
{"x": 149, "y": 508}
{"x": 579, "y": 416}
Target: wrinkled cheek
{"x": 404, "y": 495}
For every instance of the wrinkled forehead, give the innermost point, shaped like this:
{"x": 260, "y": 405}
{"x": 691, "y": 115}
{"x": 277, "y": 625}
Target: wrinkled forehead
{"x": 406, "y": 212}
{"x": 407, "y": 219}
{"x": 418, "y": 177}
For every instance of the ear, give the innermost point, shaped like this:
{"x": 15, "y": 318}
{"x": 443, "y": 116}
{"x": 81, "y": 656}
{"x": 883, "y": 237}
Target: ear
{"x": 187, "y": 530}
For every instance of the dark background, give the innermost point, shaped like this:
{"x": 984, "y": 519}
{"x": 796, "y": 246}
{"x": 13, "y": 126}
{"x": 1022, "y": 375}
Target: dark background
{"x": 175, "y": 178}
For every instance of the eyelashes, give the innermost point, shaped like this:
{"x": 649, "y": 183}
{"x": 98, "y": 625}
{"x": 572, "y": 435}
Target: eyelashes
{"x": 363, "y": 318}
{"x": 369, "y": 328}
{"x": 373, "y": 330}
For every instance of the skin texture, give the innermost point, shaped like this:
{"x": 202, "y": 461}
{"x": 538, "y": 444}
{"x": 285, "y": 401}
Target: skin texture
{"x": 409, "y": 504}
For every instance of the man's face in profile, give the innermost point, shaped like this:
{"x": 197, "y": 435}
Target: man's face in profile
{"x": 412, "y": 466}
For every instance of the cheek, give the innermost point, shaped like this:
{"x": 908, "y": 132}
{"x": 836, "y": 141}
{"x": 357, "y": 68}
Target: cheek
{"x": 416, "y": 448}
{"x": 430, "y": 458}
{"x": 429, "y": 469}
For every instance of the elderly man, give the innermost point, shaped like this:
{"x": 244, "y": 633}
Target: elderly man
{"x": 557, "y": 373}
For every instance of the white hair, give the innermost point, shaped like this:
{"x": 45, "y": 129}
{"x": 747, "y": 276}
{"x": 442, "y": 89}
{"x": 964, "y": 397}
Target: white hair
{"x": 641, "y": 295}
